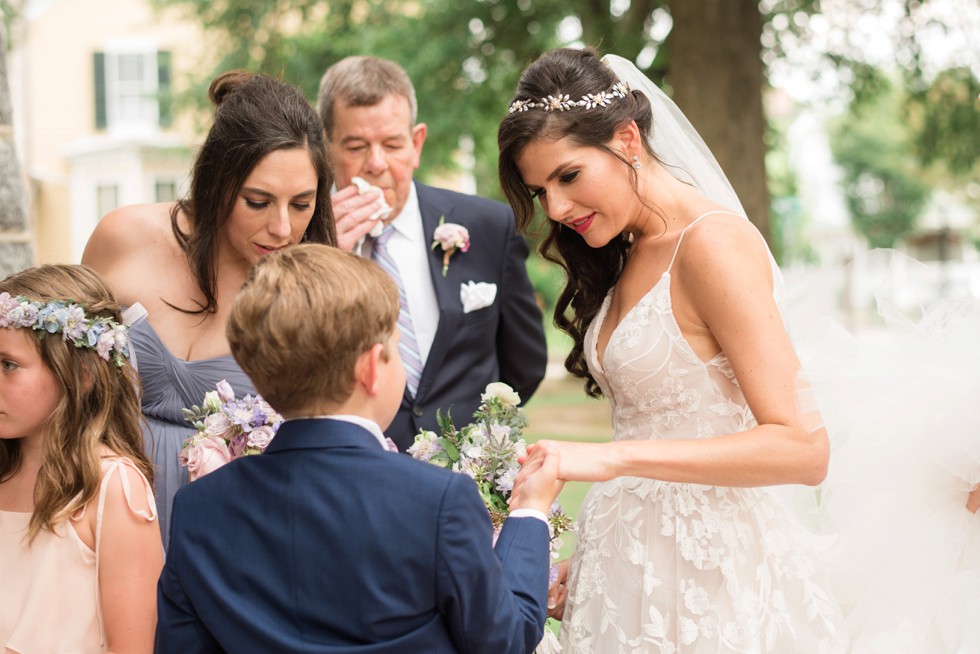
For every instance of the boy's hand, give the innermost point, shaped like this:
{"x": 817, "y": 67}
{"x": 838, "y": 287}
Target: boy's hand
{"x": 537, "y": 485}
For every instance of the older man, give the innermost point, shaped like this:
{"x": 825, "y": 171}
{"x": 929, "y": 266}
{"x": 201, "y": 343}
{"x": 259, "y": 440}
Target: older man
{"x": 468, "y": 312}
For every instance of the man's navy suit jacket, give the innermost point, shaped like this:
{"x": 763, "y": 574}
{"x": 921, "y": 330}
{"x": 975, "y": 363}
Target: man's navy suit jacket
{"x": 502, "y": 342}
{"x": 328, "y": 543}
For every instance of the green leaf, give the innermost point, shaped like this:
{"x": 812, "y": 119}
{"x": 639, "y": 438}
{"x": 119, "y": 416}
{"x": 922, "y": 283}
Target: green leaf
{"x": 451, "y": 451}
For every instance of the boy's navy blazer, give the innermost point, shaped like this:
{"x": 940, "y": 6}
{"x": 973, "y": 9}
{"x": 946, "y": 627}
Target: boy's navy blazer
{"x": 328, "y": 543}
{"x": 502, "y": 342}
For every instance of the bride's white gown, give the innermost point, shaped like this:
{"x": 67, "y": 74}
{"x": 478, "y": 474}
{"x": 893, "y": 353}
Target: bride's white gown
{"x": 685, "y": 568}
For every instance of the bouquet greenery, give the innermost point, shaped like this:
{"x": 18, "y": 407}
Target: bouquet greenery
{"x": 487, "y": 450}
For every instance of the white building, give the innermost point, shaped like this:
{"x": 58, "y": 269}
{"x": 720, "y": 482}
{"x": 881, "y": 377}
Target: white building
{"x": 91, "y": 82}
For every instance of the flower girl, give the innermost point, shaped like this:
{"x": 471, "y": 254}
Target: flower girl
{"x": 80, "y": 548}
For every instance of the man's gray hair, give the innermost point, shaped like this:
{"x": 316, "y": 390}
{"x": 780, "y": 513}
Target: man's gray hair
{"x": 362, "y": 82}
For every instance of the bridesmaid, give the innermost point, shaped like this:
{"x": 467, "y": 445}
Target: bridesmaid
{"x": 260, "y": 183}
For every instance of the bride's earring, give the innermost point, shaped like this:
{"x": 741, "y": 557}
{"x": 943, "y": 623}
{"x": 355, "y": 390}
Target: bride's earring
{"x": 636, "y": 162}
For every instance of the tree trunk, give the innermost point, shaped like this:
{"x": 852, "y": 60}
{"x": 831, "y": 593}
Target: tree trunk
{"x": 15, "y": 247}
{"x": 716, "y": 75}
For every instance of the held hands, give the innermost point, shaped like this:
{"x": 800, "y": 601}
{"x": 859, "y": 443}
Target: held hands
{"x": 537, "y": 485}
{"x": 353, "y": 214}
{"x": 577, "y": 461}
{"x": 558, "y": 592}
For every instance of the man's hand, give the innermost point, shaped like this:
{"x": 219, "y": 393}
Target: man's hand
{"x": 352, "y": 214}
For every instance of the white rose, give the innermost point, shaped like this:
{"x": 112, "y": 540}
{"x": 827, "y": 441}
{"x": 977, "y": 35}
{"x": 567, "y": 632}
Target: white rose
{"x": 501, "y": 391}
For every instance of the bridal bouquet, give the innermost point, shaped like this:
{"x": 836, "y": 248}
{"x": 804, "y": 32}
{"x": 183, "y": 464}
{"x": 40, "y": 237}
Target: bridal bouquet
{"x": 227, "y": 428}
{"x": 487, "y": 450}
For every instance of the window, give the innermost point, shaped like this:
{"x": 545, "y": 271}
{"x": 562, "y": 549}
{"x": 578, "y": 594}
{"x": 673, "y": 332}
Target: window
{"x": 132, "y": 89}
{"x": 106, "y": 198}
{"x": 165, "y": 190}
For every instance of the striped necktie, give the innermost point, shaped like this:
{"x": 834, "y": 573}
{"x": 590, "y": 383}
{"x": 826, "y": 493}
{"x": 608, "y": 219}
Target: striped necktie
{"x": 407, "y": 346}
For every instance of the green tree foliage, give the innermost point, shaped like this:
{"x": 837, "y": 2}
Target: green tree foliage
{"x": 882, "y": 176}
{"x": 945, "y": 116}
{"x": 465, "y": 57}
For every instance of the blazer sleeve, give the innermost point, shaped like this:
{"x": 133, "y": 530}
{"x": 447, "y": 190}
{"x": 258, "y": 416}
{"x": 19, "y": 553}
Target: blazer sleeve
{"x": 493, "y": 600}
{"x": 522, "y": 352}
{"x": 179, "y": 628}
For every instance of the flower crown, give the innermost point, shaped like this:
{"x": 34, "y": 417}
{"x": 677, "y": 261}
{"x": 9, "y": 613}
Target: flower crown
{"x": 107, "y": 337}
{"x": 561, "y": 102}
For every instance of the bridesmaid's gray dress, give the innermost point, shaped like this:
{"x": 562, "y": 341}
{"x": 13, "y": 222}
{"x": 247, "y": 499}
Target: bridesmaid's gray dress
{"x": 169, "y": 385}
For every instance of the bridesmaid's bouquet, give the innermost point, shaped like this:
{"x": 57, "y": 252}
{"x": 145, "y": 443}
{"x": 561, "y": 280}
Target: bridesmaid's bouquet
{"x": 227, "y": 428}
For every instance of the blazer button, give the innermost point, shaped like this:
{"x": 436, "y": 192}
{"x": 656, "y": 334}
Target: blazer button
{"x": 417, "y": 411}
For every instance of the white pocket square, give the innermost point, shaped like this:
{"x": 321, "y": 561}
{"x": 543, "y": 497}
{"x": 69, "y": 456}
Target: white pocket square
{"x": 476, "y": 295}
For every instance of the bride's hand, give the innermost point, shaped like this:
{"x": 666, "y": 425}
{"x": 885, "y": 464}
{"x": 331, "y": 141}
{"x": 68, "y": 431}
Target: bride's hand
{"x": 973, "y": 500}
{"x": 558, "y": 592}
{"x": 577, "y": 461}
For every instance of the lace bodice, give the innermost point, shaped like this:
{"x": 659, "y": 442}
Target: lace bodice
{"x": 656, "y": 384}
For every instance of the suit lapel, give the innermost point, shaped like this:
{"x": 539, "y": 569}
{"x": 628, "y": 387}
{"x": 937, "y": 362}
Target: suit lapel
{"x": 433, "y": 207}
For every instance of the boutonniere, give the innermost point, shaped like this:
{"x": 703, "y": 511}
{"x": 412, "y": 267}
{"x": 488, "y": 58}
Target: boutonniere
{"x": 450, "y": 237}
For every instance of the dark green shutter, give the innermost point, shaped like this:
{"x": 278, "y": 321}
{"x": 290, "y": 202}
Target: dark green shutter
{"x": 164, "y": 95}
{"x": 98, "y": 68}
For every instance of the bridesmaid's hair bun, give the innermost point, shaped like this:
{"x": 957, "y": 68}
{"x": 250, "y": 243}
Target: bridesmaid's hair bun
{"x": 227, "y": 83}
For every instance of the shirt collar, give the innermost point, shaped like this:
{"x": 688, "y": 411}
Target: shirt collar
{"x": 369, "y": 425}
{"x": 409, "y": 222}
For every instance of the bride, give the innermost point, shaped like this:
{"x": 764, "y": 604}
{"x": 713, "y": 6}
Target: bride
{"x": 671, "y": 301}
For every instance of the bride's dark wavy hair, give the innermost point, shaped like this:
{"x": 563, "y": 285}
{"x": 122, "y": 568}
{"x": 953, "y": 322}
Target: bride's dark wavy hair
{"x": 589, "y": 272}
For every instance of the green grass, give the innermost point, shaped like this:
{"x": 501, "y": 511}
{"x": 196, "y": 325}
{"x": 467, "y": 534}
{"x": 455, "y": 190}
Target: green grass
{"x": 560, "y": 410}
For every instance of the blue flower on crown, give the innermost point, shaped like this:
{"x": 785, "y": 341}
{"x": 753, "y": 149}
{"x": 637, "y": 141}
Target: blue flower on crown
{"x": 107, "y": 337}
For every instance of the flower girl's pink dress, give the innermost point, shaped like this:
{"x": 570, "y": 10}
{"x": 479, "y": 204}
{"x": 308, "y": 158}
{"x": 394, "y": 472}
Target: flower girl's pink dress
{"x": 49, "y": 595}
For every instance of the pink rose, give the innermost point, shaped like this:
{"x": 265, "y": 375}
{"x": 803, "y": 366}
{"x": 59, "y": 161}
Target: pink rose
{"x": 217, "y": 424}
{"x": 206, "y": 455}
{"x": 451, "y": 236}
{"x": 260, "y": 437}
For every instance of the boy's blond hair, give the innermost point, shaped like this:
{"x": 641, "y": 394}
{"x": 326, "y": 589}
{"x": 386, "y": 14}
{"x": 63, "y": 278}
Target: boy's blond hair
{"x": 303, "y": 317}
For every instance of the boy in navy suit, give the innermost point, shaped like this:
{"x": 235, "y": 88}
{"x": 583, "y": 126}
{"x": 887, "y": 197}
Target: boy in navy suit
{"x": 328, "y": 542}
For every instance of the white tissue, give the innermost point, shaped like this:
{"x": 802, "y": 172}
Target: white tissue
{"x": 364, "y": 186}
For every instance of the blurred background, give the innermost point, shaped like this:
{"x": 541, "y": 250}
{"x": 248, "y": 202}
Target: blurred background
{"x": 844, "y": 125}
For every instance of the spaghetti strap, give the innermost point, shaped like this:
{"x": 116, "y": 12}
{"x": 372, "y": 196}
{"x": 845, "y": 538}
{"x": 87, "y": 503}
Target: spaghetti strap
{"x": 693, "y": 223}
{"x": 110, "y": 466}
